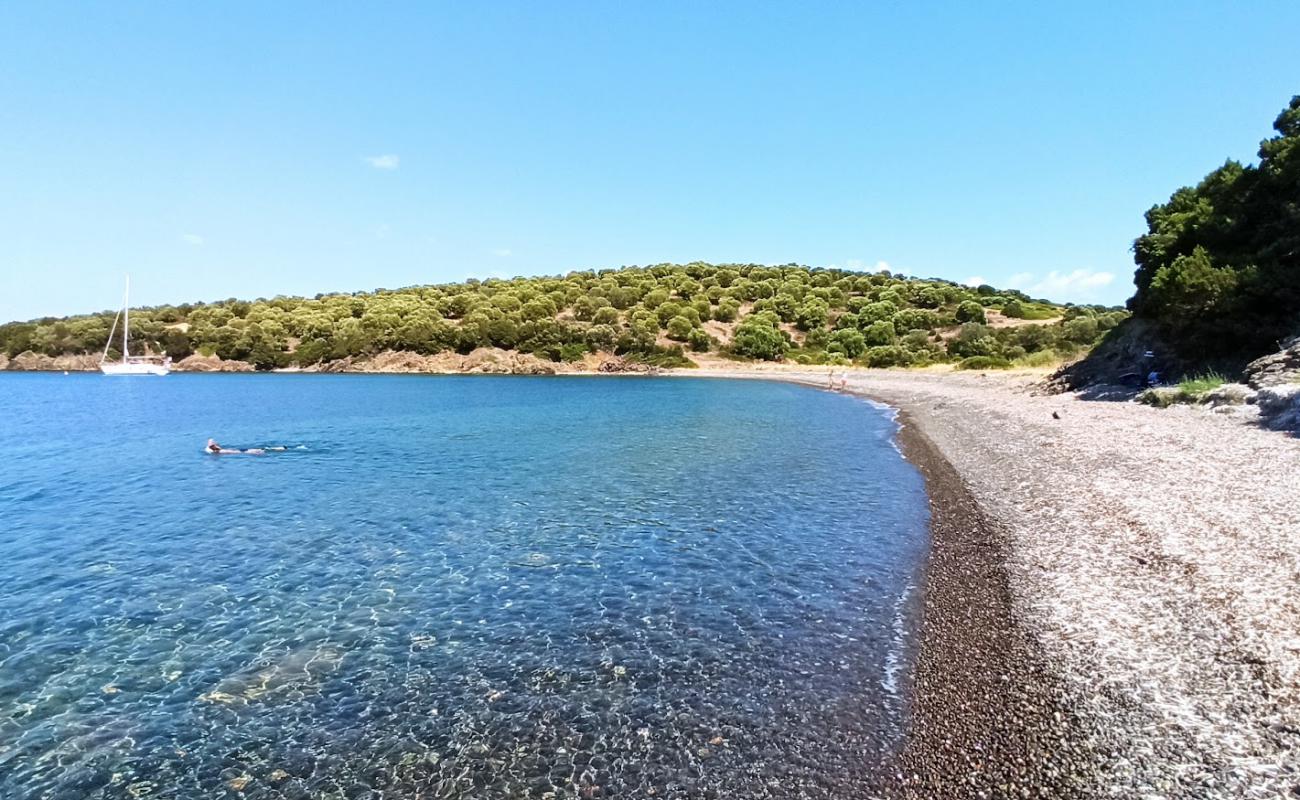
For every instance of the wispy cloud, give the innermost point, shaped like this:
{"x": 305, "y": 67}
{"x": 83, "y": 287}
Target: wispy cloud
{"x": 386, "y": 161}
{"x": 862, "y": 265}
{"x": 1079, "y": 284}
{"x": 974, "y": 280}
{"x": 192, "y": 239}
{"x": 502, "y": 252}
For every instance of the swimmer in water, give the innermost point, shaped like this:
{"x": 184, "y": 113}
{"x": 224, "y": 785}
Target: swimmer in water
{"x": 217, "y": 450}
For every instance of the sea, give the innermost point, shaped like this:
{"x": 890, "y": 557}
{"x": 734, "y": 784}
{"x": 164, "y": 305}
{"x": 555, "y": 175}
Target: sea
{"x": 451, "y": 587}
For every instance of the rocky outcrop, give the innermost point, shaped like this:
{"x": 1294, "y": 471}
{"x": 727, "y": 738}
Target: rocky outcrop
{"x": 1279, "y": 406}
{"x": 1229, "y": 394}
{"x": 483, "y": 361}
{"x": 618, "y": 364}
{"x": 1118, "y": 360}
{"x": 39, "y": 362}
{"x": 198, "y": 363}
{"x": 1276, "y": 369}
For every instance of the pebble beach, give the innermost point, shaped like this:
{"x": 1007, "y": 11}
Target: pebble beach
{"x": 1113, "y": 599}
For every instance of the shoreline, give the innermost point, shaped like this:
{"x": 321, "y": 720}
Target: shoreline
{"x": 987, "y": 716}
{"x": 1112, "y": 606}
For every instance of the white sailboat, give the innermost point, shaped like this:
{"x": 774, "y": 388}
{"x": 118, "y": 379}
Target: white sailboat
{"x": 130, "y": 365}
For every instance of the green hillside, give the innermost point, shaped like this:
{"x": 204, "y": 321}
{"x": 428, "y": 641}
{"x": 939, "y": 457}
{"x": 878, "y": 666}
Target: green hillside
{"x": 658, "y": 315}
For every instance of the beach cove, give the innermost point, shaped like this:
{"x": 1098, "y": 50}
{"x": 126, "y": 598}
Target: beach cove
{"x": 1078, "y": 634}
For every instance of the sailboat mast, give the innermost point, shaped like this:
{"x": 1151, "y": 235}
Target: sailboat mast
{"x": 126, "y": 321}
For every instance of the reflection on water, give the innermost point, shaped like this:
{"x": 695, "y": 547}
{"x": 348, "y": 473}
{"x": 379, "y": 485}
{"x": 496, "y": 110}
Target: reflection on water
{"x": 465, "y": 587}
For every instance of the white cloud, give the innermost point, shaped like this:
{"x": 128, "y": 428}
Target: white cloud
{"x": 1079, "y": 284}
{"x": 386, "y": 161}
{"x": 502, "y": 252}
{"x": 974, "y": 280}
{"x": 1020, "y": 280}
{"x": 192, "y": 239}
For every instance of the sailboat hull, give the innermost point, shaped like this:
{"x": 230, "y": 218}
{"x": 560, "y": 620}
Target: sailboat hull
{"x": 130, "y": 365}
{"x": 134, "y": 369}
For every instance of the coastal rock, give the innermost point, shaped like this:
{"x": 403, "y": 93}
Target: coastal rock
{"x": 502, "y": 362}
{"x": 39, "y": 362}
{"x": 1229, "y": 394}
{"x": 1279, "y": 406}
{"x": 1277, "y": 368}
{"x": 485, "y": 360}
{"x": 198, "y": 363}
{"x": 618, "y": 364}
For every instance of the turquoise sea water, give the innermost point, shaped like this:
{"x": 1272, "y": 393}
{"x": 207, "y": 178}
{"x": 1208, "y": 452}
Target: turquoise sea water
{"x": 450, "y": 587}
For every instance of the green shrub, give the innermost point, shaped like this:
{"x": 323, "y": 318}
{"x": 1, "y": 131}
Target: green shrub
{"x": 970, "y": 311}
{"x": 664, "y": 312}
{"x": 983, "y": 362}
{"x": 666, "y": 357}
{"x": 1040, "y": 358}
{"x": 755, "y": 339}
{"x": 812, "y": 314}
{"x": 679, "y": 328}
{"x": 601, "y": 337}
{"x": 972, "y": 340}
{"x": 848, "y": 341}
{"x": 877, "y": 312}
{"x": 727, "y": 310}
{"x": 914, "y": 319}
{"x": 817, "y": 339}
{"x": 880, "y": 333}
{"x": 605, "y": 315}
{"x": 699, "y": 341}
{"x": 574, "y": 351}
{"x": 887, "y": 356}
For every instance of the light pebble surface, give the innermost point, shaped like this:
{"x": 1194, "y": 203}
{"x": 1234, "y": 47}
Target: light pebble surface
{"x": 1154, "y": 554}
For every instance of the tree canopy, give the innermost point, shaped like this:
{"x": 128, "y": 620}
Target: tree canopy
{"x": 1218, "y": 269}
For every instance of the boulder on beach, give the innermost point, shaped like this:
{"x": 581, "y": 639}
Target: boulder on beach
{"x": 1229, "y": 394}
{"x": 1276, "y": 369}
{"x": 1279, "y": 406}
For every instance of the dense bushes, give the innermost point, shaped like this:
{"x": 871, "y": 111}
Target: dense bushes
{"x": 1218, "y": 269}
{"x": 759, "y": 337}
{"x": 650, "y": 313}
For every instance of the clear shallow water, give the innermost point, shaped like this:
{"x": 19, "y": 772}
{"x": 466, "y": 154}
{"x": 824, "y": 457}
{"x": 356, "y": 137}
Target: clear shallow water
{"x": 463, "y": 587}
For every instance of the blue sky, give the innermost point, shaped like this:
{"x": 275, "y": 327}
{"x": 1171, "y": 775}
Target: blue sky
{"x": 250, "y": 150}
